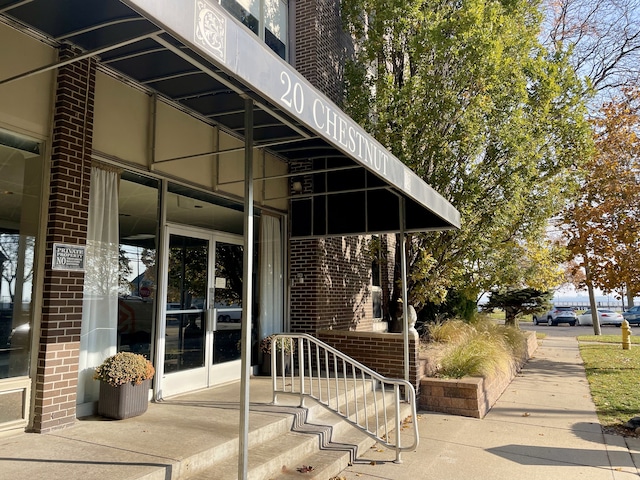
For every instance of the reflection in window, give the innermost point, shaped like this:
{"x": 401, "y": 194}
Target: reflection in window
{"x": 266, "y": 18}
{"x": 228, "y": 301}
{"x": 138, "y": 224}
{"x": 375, "y": 247}
{"x": 20, "y": 181}
{"x": 187, "y": 283}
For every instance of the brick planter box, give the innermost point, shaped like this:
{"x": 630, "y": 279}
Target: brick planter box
{"x": 468, "y": 397}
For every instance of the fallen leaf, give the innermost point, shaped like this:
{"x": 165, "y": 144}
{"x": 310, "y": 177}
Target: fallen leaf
{"x": 373, "y": 462}
{"x": 526, "y": 414}
{"x": 305, "y": 469}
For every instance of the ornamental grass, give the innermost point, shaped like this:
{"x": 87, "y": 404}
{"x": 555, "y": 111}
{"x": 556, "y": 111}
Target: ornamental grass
{"x": 478, "y": 348}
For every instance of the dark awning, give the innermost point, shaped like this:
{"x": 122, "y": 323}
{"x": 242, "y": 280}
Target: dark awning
{"x": 196, "y": 55}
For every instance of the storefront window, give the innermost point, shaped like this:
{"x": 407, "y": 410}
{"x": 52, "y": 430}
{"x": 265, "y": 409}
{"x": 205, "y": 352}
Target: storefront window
{"x": 138, "y": 224}
{"x": 20, "y": 187}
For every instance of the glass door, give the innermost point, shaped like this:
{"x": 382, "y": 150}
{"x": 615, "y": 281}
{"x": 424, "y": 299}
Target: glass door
{"x": 225, "y": 364}
{"x": 187, "y": 285}
{"x": 202, "y": 311}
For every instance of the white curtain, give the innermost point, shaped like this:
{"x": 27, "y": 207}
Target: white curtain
{"x": 98, "y": 334}
{"x": 271, "y": 282}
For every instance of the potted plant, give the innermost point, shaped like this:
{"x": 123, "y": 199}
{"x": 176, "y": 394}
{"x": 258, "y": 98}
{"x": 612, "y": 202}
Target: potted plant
{"x": 125, "y": 379}
{"x": 283, "y": 344}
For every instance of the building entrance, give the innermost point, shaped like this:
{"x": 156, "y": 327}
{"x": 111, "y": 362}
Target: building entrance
{"x": 202, "y": 309}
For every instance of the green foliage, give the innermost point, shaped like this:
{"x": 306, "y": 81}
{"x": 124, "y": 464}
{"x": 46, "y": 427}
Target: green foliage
{"x": 124, "y": 367}
{"x": 517, "y": 302}
{"x": 457, "y": 304}
{"x": 464, "y": 94}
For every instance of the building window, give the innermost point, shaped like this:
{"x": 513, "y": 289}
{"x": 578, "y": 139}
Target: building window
{"x": 376, "y": 283}
{"x": 20, "y": 186}
{"x": 268, "y": 19}
{"x": 138, "y": 223}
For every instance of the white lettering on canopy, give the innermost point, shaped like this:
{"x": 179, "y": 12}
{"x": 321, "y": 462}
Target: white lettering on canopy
{"x": 334, "y": 123}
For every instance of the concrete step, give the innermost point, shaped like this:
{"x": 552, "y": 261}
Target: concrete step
{"x": 317, "y": 438}
{"x": 346, "y": 446}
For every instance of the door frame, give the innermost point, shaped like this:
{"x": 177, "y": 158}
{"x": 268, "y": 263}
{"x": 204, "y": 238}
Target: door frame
{"x": 175, "y": 383}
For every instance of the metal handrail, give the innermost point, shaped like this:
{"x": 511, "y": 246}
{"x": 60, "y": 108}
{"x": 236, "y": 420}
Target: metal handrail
{"x": 322, "y": 369}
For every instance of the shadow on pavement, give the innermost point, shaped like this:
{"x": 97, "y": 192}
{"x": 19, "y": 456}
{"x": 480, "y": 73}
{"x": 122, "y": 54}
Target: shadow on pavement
{"x": 557, "y": 456}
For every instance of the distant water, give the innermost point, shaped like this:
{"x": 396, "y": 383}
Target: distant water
{"x": 583, "y": 301}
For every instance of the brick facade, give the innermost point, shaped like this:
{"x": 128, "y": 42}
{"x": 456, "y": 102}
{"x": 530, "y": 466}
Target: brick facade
{"x": 382, "y": 352}
{"x": 331, "y": 285}
{"x": 320, "y": 45}
{"x": 331, "y": 278}
{"x": 59, "y": 345}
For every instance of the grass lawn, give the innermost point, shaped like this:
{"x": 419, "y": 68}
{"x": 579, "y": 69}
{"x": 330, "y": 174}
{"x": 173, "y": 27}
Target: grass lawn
{"x": 607, "y": 339}
{"x": 614, "y": 381}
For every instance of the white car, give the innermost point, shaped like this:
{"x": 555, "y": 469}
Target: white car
{"x": 605, "y": 317}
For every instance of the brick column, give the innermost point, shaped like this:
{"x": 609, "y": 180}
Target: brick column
{"x": 59, "y": 345}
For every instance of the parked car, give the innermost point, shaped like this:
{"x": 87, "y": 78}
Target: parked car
{"x": 632, "y": 315}
{"x": 605, "y": 317}
{"x": 557, "y": 315}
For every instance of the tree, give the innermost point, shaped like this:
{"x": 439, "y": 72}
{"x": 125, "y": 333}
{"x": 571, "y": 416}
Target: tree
{"x": 603, "y": 226}
{"x": 16, "y": 252}
{"x": 602, "y": 38}
{"x": 516, "y": 303}
{"x": 124, "y": 271}
{"x": 465, "y": 95}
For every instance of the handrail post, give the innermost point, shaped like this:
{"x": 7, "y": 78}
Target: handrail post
{"x": 397, "y": 419}
{"x": 401, "y": 388}
{"x": 273, "y": 370}
{"x": 301, "y": 368}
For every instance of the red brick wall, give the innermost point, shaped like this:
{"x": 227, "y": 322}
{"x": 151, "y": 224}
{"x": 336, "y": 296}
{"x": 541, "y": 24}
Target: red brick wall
{"x": 330, "y": 278}
{"x": 58, "y": 349}
{"x": 382, "y": 352}
{"x": 320, "y": 45}
{"x": 331, "y": 285}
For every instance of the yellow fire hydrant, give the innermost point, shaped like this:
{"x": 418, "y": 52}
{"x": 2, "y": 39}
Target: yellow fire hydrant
{"x": 626, "y": 335}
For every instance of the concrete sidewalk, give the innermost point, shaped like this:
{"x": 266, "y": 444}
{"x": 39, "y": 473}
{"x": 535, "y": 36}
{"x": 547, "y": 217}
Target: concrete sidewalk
{"x": 543, "y": 427}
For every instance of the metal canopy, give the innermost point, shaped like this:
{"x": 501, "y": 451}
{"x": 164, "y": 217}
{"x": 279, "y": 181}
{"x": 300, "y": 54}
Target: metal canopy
{"x": 196, "y": 55}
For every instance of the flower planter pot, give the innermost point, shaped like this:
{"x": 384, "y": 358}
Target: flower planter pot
{"x": 266, "y": 364}
{"x": 124, "y": 401}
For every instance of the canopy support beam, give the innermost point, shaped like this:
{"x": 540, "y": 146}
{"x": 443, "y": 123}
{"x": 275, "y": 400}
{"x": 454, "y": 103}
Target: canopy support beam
{"x": 247, "y": 292}
{"x": 405, "y": 300}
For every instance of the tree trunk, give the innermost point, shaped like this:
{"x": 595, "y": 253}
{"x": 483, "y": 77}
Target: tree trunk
{"x": 592, "y": 299}
{"x": 629, "y": 298}
{"x": 510, "y": 318}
